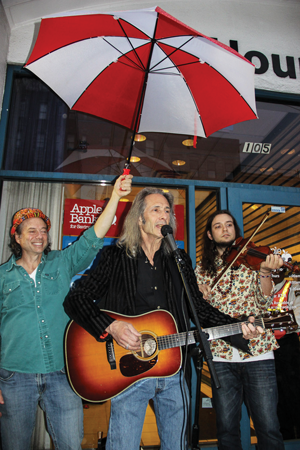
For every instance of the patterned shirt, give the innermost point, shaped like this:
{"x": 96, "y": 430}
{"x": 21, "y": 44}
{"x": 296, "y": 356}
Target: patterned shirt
{"x": 238, "y": 293}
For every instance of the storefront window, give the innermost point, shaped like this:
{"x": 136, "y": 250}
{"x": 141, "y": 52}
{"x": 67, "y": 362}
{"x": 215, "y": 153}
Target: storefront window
{"x": 44, "y": 135}
{"x": 82, "y": 203}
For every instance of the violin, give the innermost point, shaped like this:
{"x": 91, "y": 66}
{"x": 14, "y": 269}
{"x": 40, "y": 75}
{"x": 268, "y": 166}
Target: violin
{"x": 244, "y": 251}
{"x": 251, "y": 255}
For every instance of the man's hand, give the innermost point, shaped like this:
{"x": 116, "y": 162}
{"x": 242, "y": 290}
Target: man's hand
{"x": 272, "y": 262}
{"x": 125, "y": 335}
{"x": 249, "y": 330}
{"x": 205, "y": 290}
{"x": 122, "y": 186}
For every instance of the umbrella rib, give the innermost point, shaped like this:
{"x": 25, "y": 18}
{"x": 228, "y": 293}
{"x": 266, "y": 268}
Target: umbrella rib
{"x": 129, "y": 65}
{"x": 172, "y": 67}
{"x": 126, "y": 55}
{"x": 204, "y": 62}
{"x": 137, "y": 56}
{"x": 175, "y": 50}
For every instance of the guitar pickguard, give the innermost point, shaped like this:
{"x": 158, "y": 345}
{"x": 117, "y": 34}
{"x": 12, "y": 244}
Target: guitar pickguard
{"x": 130, "y": 366}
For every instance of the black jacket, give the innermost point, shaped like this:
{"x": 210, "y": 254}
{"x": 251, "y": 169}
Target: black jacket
{"x": 112, "y": 286}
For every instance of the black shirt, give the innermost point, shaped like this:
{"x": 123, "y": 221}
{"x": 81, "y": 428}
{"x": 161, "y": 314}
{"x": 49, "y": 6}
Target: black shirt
{"x": 150, "y": 292}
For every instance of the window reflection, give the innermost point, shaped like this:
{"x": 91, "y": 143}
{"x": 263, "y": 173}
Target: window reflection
{"x": 44, "y": 135}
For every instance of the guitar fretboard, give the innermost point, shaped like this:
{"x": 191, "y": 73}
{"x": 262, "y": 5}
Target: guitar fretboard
{"x": 191, "y": 337}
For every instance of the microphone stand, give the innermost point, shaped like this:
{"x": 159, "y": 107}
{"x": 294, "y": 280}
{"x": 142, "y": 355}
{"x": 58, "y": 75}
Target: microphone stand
{"x": 203, "y": 342}
{"x": 197, "y": 356}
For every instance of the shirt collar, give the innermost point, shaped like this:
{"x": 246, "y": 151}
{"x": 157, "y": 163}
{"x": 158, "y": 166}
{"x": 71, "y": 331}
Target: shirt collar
{"x": 12, "y": 262}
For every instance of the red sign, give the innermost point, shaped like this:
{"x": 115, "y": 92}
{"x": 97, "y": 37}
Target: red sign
{"x": 81, "y": 214}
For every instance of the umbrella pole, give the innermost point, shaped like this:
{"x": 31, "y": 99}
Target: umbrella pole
{"x": 126, "y": 169}
{"x": 147, "y": 70}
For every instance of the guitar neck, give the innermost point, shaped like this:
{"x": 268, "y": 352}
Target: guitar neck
{"x": 229, "y": 330}
{"x": 191, "y": 337}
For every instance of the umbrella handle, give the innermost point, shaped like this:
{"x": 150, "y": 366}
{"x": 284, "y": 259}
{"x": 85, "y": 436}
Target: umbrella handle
{"x": 126, "y": 171}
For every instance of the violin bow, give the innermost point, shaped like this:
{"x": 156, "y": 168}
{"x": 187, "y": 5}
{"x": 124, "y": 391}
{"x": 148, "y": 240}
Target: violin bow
{"x": 224, "y": 271}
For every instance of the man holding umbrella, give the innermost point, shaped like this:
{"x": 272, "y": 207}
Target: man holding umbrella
{"x": 33, "y": 284}
{"x": 136, "y": 276}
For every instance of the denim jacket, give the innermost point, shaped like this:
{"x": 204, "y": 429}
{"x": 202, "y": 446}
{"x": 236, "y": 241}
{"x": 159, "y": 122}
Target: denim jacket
{"x": 32, "y": 318}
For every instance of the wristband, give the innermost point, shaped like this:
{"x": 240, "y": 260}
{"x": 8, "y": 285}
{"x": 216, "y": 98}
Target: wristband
{"x": 104, "y": 335}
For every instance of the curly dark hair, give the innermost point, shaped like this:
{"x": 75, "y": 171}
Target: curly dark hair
{"x": 209, "y": 246}
{"x": 17, "y": 249}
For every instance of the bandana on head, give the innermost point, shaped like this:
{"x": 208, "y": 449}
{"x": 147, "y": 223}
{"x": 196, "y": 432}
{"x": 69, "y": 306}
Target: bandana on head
{"x": 28, "y": 213}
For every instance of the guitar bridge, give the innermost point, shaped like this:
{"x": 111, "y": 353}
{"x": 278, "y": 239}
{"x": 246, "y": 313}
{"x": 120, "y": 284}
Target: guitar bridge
{"x": 110, "y": 353}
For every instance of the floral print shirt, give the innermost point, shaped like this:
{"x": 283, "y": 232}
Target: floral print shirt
{"x": 238, "y": 293}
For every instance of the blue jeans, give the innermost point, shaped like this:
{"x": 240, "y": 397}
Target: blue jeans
{"x": 22, "y": 392}
{"x": 171, "y": 399}
{"x": 255, "y": 384}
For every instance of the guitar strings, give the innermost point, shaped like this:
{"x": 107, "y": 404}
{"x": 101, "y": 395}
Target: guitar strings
{"x": 179, "y": 339}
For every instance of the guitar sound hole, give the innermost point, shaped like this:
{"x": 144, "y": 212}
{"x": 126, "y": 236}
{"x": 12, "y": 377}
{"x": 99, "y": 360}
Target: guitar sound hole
{"x": 148, "y": 346}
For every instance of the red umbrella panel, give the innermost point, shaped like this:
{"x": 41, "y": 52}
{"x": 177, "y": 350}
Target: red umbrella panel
{"x": 144, "y": 70}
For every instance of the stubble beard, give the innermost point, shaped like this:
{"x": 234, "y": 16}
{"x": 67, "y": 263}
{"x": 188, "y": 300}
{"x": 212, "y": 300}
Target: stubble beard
{"x": 224, "y": 246}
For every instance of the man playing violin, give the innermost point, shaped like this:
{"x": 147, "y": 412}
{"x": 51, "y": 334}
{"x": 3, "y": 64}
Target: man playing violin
{"x": 248, "y": 375}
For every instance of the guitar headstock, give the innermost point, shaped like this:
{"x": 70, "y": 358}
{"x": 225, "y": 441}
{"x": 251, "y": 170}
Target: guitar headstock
{"x": 280, "y": 320}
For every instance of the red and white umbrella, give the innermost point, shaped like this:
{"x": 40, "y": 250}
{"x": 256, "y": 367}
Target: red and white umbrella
{"x": 144, "y": 70}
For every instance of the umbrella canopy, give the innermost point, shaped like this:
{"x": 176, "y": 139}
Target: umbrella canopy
{"x": 144, "y": 70}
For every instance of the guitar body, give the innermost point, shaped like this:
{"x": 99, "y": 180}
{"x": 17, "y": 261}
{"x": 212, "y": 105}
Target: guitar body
{"x": 98, "y": 371}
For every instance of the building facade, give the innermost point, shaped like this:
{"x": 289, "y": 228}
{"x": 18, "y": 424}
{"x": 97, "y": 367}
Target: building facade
{"x": 50, "y": 154}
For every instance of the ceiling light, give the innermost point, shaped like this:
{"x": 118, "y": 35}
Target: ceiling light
{"x": 139, "y": 138}
{"x": 134, "y": 159}
{"x": 188, "y": 142}
{"x": 284, "y": 151}
{"x": 178, "y": 162}
{"x": 291, "y": 152}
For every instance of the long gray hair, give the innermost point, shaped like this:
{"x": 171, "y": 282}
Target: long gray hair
{"x": 131, "y": 237}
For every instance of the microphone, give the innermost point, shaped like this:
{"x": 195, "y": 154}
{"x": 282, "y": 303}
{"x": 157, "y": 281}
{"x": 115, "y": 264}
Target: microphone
{"x": 167, "y": 233}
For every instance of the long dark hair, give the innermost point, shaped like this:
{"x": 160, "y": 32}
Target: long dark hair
{"x": 209, "y": 246}
{"x": 131, "y": 237}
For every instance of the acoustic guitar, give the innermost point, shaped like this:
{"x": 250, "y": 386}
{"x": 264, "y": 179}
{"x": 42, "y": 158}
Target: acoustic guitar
{"x": 98, "y": 371}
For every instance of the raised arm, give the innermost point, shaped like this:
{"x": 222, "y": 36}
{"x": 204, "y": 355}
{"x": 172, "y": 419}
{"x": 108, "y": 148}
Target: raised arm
{"x": 272, "y": 262}
{"x": 122, "y": 188}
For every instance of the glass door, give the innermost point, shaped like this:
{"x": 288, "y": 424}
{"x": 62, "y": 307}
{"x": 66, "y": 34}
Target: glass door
{"x": 280, "y": 232}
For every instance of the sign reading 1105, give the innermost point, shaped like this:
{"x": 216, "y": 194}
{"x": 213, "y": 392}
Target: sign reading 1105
{"x": 256, "y": 147}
